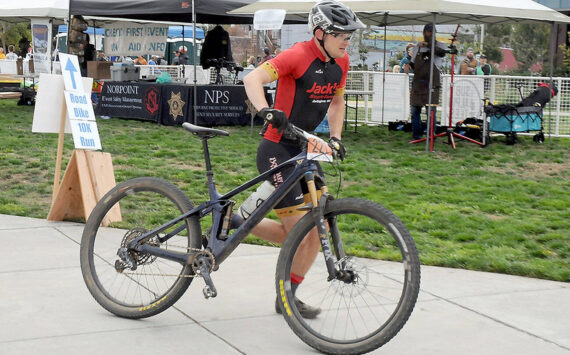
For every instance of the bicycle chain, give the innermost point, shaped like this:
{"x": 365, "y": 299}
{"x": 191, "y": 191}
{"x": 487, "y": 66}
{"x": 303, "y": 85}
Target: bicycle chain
{"x": 173, "y": 275}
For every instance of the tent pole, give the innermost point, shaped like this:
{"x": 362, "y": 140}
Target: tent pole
{"x": 552, "y": 50}
{"x": 429, "y": 140}
{"x": 195, "y": 93}
{"x": 68, "y": 27}
{"x": 383, "y": 71}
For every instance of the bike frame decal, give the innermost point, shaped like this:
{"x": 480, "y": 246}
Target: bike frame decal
{"x": 284, "y": 298}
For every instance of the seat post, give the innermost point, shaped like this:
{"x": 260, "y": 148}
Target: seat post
{"x": 209, "y": 173}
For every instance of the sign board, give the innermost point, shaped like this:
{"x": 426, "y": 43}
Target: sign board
{"x": 82, "y": 120}
{"x": 268, "y": 19}
{"x": 49, "y": 103}
{"x": 396, "y": 97}
{"x": 133, "y": 39}
{"x": 467, "y": 98}
{"x": 71, "y": 72}
{"x": 41, "y": 43}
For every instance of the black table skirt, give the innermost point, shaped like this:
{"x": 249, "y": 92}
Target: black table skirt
{"x": 171, "y": 104}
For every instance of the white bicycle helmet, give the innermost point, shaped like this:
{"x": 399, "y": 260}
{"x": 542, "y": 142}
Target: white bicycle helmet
{"x": 330, "y": 16}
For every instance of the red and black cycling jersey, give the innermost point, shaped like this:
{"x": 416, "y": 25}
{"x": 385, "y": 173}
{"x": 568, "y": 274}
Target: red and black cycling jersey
{"x": 307, "y": 85}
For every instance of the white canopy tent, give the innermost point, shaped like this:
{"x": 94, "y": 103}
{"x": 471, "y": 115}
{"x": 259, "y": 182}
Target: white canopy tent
{"x": 24, "y": 10}
{"x": 412, "y": 12}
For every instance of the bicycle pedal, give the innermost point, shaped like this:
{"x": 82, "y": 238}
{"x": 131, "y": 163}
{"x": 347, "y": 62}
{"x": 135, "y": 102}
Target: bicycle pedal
{"x": 208, "y": 292}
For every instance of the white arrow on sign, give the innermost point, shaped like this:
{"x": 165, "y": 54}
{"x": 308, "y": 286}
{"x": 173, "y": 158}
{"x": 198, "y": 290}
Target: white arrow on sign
{"x": 71, "y": 72}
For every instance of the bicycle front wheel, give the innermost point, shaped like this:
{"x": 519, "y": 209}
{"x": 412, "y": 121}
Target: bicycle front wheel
{"x": 153, "y": 284}
{"x": 366, "y": 307}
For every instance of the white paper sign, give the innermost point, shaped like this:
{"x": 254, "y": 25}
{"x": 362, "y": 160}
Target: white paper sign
{"x": 467, "y": 98}
{"x": 79, "y": 106}
{"x": 132, "y": 39}
{"x": 268, "y": 19}
{"x": 82, "y": 120}
{"x": 396, "y": 97}
{"x": 85, "y": 135}
{"x": 71, "y": 72}
{"x": 49, "y": 103}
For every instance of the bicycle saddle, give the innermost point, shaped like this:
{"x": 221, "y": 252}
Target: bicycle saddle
{"x": 204, "y": 131}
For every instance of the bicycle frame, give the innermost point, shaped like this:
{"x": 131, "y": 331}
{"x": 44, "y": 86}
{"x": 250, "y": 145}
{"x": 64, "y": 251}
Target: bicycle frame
{"x": 221, "y": 249}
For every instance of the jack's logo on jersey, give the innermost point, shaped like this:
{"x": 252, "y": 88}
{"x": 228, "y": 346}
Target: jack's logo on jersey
{"x": 323, "y": 89}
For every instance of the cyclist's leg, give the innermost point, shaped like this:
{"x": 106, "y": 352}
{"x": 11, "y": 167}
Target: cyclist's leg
{"x": 275, "y": 232}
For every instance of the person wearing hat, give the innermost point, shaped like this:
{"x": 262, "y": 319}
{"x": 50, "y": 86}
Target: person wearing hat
{"x": 420, "y": 63}
{"x": 183, "y": 59}
{"x": 469, "y": 64}
{"x": 483, "y": 68}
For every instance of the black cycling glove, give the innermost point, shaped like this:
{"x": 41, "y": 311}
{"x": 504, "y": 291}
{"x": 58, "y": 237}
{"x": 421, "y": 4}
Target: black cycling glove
{"x": 277, "y": 118}
{"x": 338, "y": 146}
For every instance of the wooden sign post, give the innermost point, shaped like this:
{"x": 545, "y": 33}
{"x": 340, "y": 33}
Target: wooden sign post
{"x": 89, "y": 173}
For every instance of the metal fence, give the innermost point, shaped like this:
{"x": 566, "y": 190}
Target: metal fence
{"x": 499, "y": 89}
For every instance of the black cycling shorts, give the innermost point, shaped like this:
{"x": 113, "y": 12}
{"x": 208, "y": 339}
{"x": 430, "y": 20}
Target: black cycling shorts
{"x": 271, "y": 154}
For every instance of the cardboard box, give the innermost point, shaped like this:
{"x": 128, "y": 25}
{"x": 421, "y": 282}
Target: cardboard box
{"x": 99, "y": 70}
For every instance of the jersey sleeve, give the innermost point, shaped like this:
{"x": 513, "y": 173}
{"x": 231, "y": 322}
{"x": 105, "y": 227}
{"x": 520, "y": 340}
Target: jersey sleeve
{"x": 283, "y": 64}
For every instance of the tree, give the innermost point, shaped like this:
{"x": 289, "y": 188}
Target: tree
{"x": 14, "y": 32}
{"x": 530, "y": 44}
{"x": 496, "y": 37}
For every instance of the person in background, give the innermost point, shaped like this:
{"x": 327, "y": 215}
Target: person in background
{"x": 2, "y": 55}
{"x": 153, "y": 60}
{"x": 176, "y": 60}
{"x": 267, "y": 55}
{"x": 101, "y": 56}
{"x": 421, "y": 63}
{"x": 140, "y": 60}
{"x": 396, "y": 69}
{"x": 251, "y": 62}
{"x": 184, "y": 60}
{"x": 483, "y": 68}
{"x": 89, "y": 54}
{"x": 469, "y": 64}
{"x": 11, "y": 55}
{"x": 405, "y": 63}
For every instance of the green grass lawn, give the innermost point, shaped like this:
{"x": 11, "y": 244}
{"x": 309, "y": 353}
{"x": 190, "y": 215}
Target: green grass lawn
{"x": 500, "y": 208}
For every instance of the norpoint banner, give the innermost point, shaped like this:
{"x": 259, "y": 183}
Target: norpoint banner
{"x": 131, "y": 39}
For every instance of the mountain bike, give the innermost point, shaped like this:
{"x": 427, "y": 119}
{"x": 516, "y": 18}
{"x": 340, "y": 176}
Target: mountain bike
{"x": 144, "y": 263}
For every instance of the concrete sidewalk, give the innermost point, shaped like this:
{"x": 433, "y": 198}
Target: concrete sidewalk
{"x": 46, "y": 308}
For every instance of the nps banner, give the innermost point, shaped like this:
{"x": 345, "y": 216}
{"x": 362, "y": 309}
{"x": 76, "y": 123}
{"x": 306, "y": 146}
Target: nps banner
{"x": 131, "y": 39}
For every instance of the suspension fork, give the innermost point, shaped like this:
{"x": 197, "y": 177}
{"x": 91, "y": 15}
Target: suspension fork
{"x": 318, "y": 208}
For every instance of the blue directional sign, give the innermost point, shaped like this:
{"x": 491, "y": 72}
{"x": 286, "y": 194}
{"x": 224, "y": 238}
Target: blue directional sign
{"x": 71, "y": 73}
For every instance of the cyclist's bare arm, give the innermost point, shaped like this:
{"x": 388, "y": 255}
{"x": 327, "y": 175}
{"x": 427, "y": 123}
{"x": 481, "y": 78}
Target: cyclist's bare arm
{"x": 253, "y": 83}
{"x": 336, "y": 116}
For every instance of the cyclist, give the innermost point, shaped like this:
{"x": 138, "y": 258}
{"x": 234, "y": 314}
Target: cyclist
{"x": 312, "y": 78}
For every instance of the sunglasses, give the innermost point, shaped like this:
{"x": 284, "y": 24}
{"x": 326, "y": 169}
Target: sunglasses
{"x": 343, "y": 35}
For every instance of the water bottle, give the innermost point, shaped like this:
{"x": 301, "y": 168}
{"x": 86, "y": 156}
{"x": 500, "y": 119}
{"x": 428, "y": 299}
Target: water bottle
{"x": 256, "y": 199}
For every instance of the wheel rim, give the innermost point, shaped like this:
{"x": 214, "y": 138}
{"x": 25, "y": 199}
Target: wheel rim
{"x": 146, "y": 286}
{"x": 356, "y": 311}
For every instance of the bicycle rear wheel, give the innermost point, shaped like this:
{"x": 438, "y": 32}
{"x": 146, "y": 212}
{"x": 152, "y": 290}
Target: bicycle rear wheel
{"x": 155, "y": 283}
{"x": 364, "y": 311}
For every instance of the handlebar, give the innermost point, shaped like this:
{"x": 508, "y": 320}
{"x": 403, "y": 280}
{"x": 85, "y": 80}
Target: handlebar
{"x": 293, "y": 131}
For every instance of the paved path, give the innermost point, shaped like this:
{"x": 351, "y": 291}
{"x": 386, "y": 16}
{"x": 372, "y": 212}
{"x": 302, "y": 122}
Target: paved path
{"x": 46, "y": 308}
